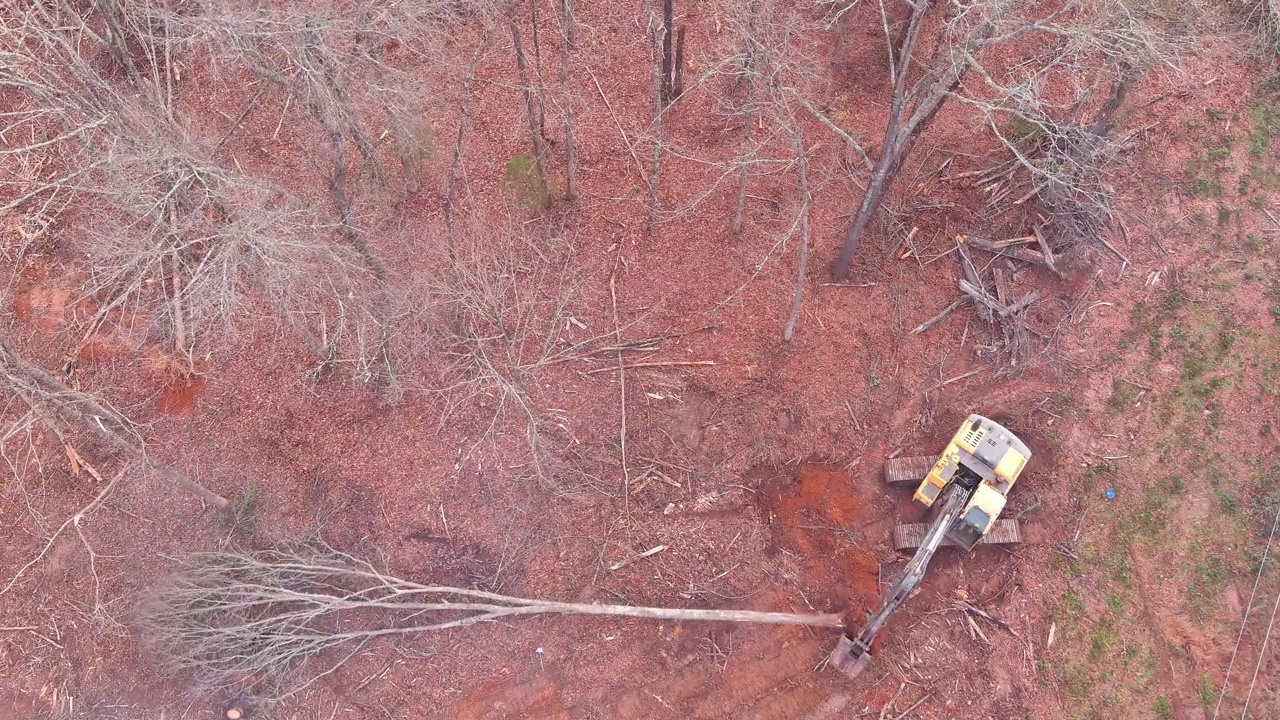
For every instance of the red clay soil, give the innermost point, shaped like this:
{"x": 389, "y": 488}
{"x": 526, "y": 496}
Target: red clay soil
{"x": 760, "y": 513}
{"x": 813, "y": 513}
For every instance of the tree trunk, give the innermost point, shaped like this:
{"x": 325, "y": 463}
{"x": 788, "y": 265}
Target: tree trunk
{"x": 455, "y": 163}
{"x": 566, "y": 100}
{"x": 531, "y": 112}
{"x": 658, "y": 107}
{"x": 668, "y": 20}
{"x": 537, "y": 68}
{"x": 677, "y": 82}
{"x": 749, "y": 118}
{"x": 925, "y": 97}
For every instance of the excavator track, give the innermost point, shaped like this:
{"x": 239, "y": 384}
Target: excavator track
{"x": 908, "y": 470}
{"x": 912, "y": 535}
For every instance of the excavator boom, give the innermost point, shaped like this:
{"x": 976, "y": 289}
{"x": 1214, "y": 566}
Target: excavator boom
{"x": 851, "y": 655}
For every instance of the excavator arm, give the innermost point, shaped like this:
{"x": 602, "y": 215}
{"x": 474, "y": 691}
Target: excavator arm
{"x": 852, "y": 654}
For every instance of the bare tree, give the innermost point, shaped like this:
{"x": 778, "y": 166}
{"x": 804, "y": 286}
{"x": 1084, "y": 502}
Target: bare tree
{"x": 806, "y": 201}
{"x": 750, "y": 61}
{"x": 498, "y": 307}
{"x": 1266, "y": 15}
{"x": 51, "y": 399}
{"x": 464, "y": 117}
{"x": 914, "y": 105}
{"x": 1085, "y": 44}
{"x": 1062, "y": 141}
{"x": 162, "y": 206}
{"x": 533, "y": 101}
{"x": 656, "y": 35}
{"x": 672, "y": 62}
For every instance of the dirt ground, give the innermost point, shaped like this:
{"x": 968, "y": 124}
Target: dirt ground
{"x": 759, "y": 468}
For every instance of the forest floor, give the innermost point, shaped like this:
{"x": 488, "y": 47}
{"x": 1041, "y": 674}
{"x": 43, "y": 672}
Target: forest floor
{"x": 755, "y": 463}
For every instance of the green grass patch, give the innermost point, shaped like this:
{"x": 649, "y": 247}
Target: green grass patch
{"x": 1122, "y": 395}
{"x": 1103, "y": 639}
{"x": 1208, "y": 691}
{"x": 524, "y": 178}
{"x": 1208, "y": 363}
{"x": 240, "y": 517}
{"x": 1152, "y": 511}
{"x": 1206, "y": 188}
{"x": 1265, "y": 125}
{"x": 1092, "y": 474}
{"x": 1208, "y": 577}
{"x": 1273, "y": 297}
{"x": 1025, "y": 131}
{"x": 1226, "y": 504}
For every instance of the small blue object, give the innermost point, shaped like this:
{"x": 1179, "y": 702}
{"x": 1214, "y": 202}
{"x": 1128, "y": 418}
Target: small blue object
{"x": 1111, "y": 493}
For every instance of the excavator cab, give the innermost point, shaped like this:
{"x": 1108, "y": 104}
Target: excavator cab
{"x": 984, "y": 458}
{"x": 982, "y": 450}
{"x": 967, "y": 487}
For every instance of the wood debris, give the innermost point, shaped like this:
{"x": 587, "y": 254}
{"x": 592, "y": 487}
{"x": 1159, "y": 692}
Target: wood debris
{"x": 971, "y": 609}
{"x": 674, "y": 363}
{"x": 1035, "y": 257}
{"x": 993, "y": 297}
{"x": 936, "y": 318}
{"x": 639, "y": 556}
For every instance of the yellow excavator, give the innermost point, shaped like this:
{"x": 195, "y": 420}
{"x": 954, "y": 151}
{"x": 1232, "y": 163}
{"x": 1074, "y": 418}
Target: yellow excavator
{"x": 967, "y": 487}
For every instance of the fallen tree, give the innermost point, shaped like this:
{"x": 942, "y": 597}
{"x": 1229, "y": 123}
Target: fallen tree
{"x": 256, "y": 620}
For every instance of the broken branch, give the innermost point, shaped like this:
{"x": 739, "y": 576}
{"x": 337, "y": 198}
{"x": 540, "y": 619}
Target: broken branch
{"x": 936, "y": 318}
{"x": 650, "y": 364}
{"x": 1022, "y": 254}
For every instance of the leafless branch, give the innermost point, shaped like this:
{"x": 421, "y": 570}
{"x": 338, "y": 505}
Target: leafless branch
{"x": 41, "y": 391}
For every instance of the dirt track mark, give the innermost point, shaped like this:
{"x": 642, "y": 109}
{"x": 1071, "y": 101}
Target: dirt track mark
{"x": 1164, "y": 663}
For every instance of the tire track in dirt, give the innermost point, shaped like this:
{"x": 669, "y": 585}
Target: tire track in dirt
{"x": 1164, "y": 663}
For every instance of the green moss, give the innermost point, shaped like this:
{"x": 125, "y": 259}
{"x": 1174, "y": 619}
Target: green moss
{"x": 1208, "y": 691}
{"x": 240, "y": 516}
{"x": 1266, "y": 125}
{"x": 1104, "y": 637}
{"x": 1151, "y": 520}
{"x": 1093, "y": 473}
{"x": 1206, "y": 187}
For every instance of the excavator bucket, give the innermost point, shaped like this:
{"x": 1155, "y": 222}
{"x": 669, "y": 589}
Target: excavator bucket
{"x": 848, "y": 658}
